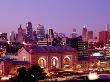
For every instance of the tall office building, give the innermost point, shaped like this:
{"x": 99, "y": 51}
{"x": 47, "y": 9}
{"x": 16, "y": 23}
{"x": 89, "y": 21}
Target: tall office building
{"x": 20, "y": 35}
{"x": 50, "y": 33}
{"x": 50, "y": 36}
{"x": 29, "y": 28}
{"x": 12, "y": 37}
{"x": 108, "y": 33}
{"x": 84, "y": 33}
{"x": 89, "y": 35}
{"x": 107, "y": 27}
{"x": 28, "y": 37}
{"x": 73, "y": 34}
{"x": 34, "y": 35}
{"x": 40, "y": 32}
{"x": 102, "y": 37}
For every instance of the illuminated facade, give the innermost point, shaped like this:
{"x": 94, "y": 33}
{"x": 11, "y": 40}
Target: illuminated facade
{"x": 84, "y": 33}
{"x": 47, "y": 57}
{"x": 40, "y": 32}
{"x": 102, "y": 37}
{"x": 89, "y": 35}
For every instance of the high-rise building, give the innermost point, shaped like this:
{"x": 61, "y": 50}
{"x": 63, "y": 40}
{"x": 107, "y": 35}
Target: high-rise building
{"x": 50, "y": 33}
{"x": 107, "y": 27}
{"x": 102, "y": 37}
{"x": 20, "y": 35}
{"x": 12, "y": 37}
{"x": 34, "y": 35}
{"x": 50, "y": 36}
{"x": 29, "y": 28}
{"x": 84, "y": 33}
{"x": 89, "y": 35}
{"x": 73, "y": 34}
{"x": 40, "y": 32}
{"x": 108, "y": 33}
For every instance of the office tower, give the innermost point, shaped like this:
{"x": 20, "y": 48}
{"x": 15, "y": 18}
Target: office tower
{"x": 3, "y": 37}
{"x": 12, "y": 37}
{"x": 73, "y": 34}
{"x": 108, "y": 33}
{"x": 107, "y": 27}
{"x": 40, "y": 32}
{"x": 28, "y": 37}
{"x": 50, "y": 33}
{"x": 84, "y": 33}
{"x": 50, "y": 36}
{"x": 29, "y": 28}
{"x": 89, "y": 35}
{"x": 34, "y": 35}
{"x": 102, "y": 37}
{"x": 20, "y": 35}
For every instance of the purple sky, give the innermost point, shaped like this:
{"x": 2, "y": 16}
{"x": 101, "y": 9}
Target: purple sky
{"x": 61, "y": 15}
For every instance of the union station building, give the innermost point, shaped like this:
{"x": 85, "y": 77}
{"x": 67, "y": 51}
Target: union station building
{"x": 48, "y": 57}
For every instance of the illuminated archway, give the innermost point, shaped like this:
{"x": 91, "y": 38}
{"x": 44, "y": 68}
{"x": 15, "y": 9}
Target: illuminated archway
{"x": 66, "y": 61}
{"x": 42, "y": 62}
{"x": 54, "y": 62}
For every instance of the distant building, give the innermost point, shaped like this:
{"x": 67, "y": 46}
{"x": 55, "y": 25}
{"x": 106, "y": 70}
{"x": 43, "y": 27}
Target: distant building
{"x": 108, "y": 33}
{"x": 73, "y": 34}
{"x": 84, "y": 33}
{"x": 89, "y": 35}
{"x": 20, "y": 35}
{"x": 102, "y": 37}
{"x": 83, "y": 51}
{"x": 34, "y": 35}
{"x": 12, "y": 37}
{"x": 50, "y": 36}
{"x": 29, "y": 29}
{"x": 40, "y": 32}
{"x": 48, "y": 57}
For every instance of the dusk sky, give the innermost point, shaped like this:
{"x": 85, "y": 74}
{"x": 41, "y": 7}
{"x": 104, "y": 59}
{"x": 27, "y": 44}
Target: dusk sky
{"x": 61, "y": 15}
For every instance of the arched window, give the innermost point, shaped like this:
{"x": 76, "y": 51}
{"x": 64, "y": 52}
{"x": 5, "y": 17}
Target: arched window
{"x": 42, "y": 62}
{"x": 66, "y": 61}
{"x": 54, "y": 62}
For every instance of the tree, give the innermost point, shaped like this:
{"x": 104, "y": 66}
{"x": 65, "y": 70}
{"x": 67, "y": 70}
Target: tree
{"x": 33, "y": 74}
{"x": 21, "y": 77}
{"x": 36, "y": 72}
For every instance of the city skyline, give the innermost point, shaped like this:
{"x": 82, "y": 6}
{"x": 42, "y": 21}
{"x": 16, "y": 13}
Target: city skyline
{"x": 55, "y": 14}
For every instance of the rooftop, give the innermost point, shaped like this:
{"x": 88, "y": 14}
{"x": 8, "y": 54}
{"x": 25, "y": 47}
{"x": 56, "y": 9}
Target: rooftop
{"x": 40, "y": 49}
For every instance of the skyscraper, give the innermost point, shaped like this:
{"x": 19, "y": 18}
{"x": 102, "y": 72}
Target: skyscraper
{"x": 84, "y": 33}
{"x": 50, "y": 33}
{"x": 34, "y": 35}
{"x": 108, "y": 33}
{"x": 107, "y": 27}
{"x": 89, "y": 35}
{"x": 102, "y": 36}
{"x": 40, "y": 32}
{"x": 12, "y": 37}
{"x": 29, "y": 28}
{"x": 73, "y": 34}
{"x": 50, "y": 36}
{"x": 20, "y": 36}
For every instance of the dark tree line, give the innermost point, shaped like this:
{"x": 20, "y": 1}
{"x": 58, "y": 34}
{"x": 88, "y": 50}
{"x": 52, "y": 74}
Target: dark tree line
{"x": 33, "y": 74}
